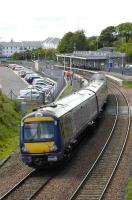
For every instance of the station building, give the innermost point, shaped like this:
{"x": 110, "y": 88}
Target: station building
{"x": 101, "y": 59}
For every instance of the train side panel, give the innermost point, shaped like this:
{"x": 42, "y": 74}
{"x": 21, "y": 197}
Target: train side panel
{"x": 74, "y": 122}
{"x": 102, "y": 96}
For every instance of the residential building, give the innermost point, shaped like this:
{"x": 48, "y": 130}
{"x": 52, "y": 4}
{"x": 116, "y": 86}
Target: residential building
{"x": 50, "y": 43}
{"x": 9, "y": 48}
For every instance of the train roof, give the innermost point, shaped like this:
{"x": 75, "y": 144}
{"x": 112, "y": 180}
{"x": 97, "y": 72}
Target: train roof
{"x": 63, "y": 106}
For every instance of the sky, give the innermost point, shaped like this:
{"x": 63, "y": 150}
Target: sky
{"x": 35, "y": 20}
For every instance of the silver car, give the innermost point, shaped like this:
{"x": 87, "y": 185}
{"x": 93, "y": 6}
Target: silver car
{"x": 31, "y": 94}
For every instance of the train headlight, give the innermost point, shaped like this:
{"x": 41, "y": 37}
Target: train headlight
{"x": 53, "y": 148}
{"x": 24, "y": 150}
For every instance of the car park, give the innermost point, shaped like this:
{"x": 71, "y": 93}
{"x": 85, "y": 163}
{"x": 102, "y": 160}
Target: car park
{"x": 12, "y": 66}
{"x": 128, "y": 66}
{"x": 18, "y": 68}
{"x": 22, "y": 73}
{"x": 31, "y": 94}
{"x": 37, "y": 80}
{"x": 32, "y": 77}
{"x": 35, "y": 87}
{"x": 44, "y": 84}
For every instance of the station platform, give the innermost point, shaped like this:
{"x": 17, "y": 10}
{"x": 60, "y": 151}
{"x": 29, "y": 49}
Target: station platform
{"x": 118, "y": 78}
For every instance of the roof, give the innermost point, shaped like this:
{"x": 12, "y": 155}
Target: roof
{"x": 36, "y": 44}
{"x": 93, "y": 55}
{"x": 63, "y": 106}
{"x": 51, "y": 41}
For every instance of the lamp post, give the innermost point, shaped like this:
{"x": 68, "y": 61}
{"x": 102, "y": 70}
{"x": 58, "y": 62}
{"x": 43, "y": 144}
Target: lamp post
{"x": 122, "y": 55}
{"x": 97, "y": 40}
{"x": 64, "y": 64}
{"x": 33, "y": 56}
{"x": 38, "y": 56}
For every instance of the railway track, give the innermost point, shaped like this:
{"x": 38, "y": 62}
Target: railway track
{"x": 4, "y": 161}
{"x": 96, "y": 181}
{"x": 28, "y": 187}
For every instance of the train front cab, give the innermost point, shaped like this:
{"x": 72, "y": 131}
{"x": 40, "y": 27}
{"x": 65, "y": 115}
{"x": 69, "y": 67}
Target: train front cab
{"x": 40, "y": 141}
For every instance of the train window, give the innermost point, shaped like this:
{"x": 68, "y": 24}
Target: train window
{"x": 35, "y": 131}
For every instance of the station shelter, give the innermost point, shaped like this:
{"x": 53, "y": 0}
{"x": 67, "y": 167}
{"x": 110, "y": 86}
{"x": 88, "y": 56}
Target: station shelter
{"x": 93, "y": 60}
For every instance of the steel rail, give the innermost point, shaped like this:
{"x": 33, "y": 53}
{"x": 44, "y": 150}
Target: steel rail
{"x": 75, "y": 194}
{"x": 84, "y": 185}
{"x": 4, "y": 161}
{"x": 40, "y": 188}
{"x": 17, "y": 185}
{"x": 123, "y": 147}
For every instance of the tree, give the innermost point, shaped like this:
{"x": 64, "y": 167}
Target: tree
{"x": 73, "y": 41}
{"x": 65, "y": 44}
{"x": 78, "y": 41}
{"x": 124, "y": 30}
{"x": 92, "y": 43}
{"x": 108, "y": 36}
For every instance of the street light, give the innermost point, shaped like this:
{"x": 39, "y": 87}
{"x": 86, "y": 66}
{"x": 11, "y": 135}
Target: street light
{"x": 97, "y": 40}
{"x": 33, "y": 55}
{"x": 64, "y": 64}
{"x": 38, "y": 56}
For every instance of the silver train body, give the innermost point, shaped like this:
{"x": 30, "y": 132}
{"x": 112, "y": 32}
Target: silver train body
{"x": 47, "y": 134}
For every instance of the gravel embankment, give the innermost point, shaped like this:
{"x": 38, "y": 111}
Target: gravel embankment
{"x": 12, "y": 172}
{"x": 118, "y": 187}
{"x": 68, "y": 178}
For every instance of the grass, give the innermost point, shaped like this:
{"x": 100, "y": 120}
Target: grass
{"x": 129, "y": 194}
{"x": 10, "y": 118}
{"x": 127, "y": 84}
{"x": 67, "y": 91}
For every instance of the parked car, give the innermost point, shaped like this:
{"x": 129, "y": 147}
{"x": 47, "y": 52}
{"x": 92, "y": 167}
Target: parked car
{"x": 128, "y": 66}
{"x": 36, "y": 87}
{"x": 31, "y": 94}
{"x": 22, "y": 73}
{"x": 36, "y": 80}
{"x": 19, "y": 68}
{"x": 44, "y": 84}
{"x": 31, "y": 77}
{"x": 12, "y": 66}
{"x": 27, "y": 75}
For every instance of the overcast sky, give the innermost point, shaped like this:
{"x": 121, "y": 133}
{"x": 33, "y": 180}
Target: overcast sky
{"x": 23, "y": 20}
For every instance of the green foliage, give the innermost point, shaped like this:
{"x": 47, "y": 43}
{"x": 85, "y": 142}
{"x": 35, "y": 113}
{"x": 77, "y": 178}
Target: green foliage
{"x": 65, "y": 43}
{"x": 35, "y": 54}
{"x": 9, "y": 125}
{"x": 92, "y": 43}
{"x": 72, "y": 41}
{"x": 119, "y": 36}
{"x": 125, "y": 30}
{"x": 127, "y": 84}
{"x": 129, "y": 194}
{"x": 107, "y": 36}
{"x": 68, "y": 91}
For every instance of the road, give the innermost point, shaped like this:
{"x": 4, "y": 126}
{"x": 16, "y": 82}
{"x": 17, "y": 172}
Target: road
{"x": 10, "y": 82}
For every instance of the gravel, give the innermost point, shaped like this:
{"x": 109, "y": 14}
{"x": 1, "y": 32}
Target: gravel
{"x": 71, "y": 174}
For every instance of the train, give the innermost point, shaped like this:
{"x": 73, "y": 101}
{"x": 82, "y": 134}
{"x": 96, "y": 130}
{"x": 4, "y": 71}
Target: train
{"x": 48, "y": 133}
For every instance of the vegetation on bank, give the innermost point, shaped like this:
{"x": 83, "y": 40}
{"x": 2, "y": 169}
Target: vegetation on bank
{"x": 127, "y": 84}
{"x": 10, "y": 118}
{"x": 129, "y": 194}
{"x": 67, "y": 91}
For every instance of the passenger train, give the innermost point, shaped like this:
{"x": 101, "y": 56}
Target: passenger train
{"x": 48, "y": 133}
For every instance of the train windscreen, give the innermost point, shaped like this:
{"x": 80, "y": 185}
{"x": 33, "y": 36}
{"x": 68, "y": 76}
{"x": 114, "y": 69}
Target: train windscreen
{"x": 38, "y": 131}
